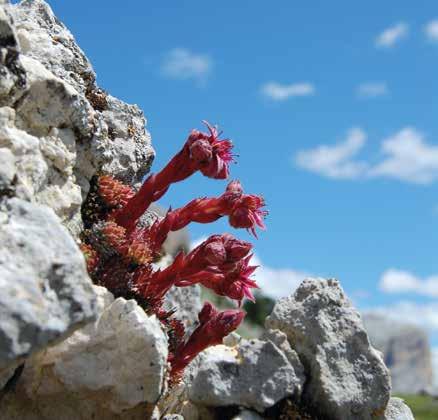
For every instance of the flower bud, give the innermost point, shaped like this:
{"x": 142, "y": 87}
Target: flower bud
{"x": 215, "y": 253}
{"x": 201, "y": 151}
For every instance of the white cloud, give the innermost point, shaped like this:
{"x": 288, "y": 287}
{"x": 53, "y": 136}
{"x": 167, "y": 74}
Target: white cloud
{"x": 399, "y": 281}
{"x": 181, "y": 63}
{"x": 277, "y": 282}
{"x": 390, "y": 36}
{"x": 335, "y": 161}
{"x": 431, "y": 30}
{"x": 372, "y": 89}
{"x": 279, "y": 92}
{"x": 273, "y": 282}
{"x": 407, "y": 157}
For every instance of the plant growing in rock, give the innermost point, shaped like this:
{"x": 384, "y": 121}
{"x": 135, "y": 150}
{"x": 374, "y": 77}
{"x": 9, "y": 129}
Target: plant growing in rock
{"x": 122, "y": 249}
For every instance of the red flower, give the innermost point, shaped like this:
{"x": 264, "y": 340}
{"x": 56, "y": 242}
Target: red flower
{"x": 210, "y": 154}
{"x": 153, "y": 286}
{"x": 91, "y": 257}
{"x": 213, "y": 327}
{"x": 217, "y": 253}
{"x": 202, "y": 151}
{"x": 114, "y": 192}
{"x": 221, "y": 263}
{"x": 243, "y": 211}
{"x": 236, "y": 283}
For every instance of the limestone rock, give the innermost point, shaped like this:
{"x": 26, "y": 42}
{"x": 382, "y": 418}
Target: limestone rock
{"x": 232, "y": 339}
{"x": 60, "y": 126}
{"x": 247, "y": 415}
{"x": 406, "y": 350}
{"x": 280, "y": 340}
{"x": 398, "y": 410}
{"x": 187, "y": 302}
{"x": 255, "y": 374}
{"x": 346, "y": 377}
{"x": 113, "y": 366}
{"x": 46, "y": 292}
{"x": 7, "y": 169}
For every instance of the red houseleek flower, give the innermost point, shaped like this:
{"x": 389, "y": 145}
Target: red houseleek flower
{"x": 120, "y": 251}
{"x": 213, "y": 327}
{"x": 243, "y": 211}
{"x": 236, "y": 284}
{"x": 202, "y": 151}
{"x": 220, "y": 263}
{"x": 114, "y": 192}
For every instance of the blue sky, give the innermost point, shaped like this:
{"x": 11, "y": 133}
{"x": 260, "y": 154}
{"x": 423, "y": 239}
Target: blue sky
{"x": 332, "y": 107}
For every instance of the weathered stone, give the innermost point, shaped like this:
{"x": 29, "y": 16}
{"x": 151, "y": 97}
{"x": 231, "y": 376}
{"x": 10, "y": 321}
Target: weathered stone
{"x": 187, "y": 302}
{"x": 232, "y": 339}
{"x": 406, "y": 350}
{"x": 12, "y": 77}
{"x": 43, "y": 37}
{"x": 346, "y": 377}
{"x": 60, "y": 126}
{"x": 46, "y": 292}
{"x": 247, "y": 415}
{"x": 398, "y": 410}
{"x": 280, "y": 340}
{"x": 7, "y": 169}
{"x": 255, "y": 374}
{"x": 114, "y": 365}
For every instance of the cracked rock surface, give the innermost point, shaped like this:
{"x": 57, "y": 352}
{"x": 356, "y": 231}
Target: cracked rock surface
{"x": 254, "y": 374}
{"x": 61, "y": 127}
{"x": 112, "y": 368}
{"x": 46, "y": 293}
{"x": 346, "y": 376}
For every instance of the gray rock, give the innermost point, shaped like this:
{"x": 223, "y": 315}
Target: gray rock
{"x": 107, "y": 368}
{"x": 7, "y": 169}
{"x": 280, "y": 340}
{"x": 187, "y": 302}
{"x": 406, "y": 350}
{"x": 346, "y": 377}
{"x": 232, "y": 340}
{"x": 46, "y": 292}
{"x": 120, "y": 145}
{"x": 398, "y": 410}
{"x": 255, "y": 374}
{"x": 44, "y": 38}
{"x": 173, "y": 417}
{"x": 247, "y": 415}
{"x": 12, "y": 77}
{"x": 61, "y": 128}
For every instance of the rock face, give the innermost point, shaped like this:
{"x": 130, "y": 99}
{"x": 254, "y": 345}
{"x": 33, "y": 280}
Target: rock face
{"x": 46, "y": 293}
{"x": 61, "y": 127}
{"x": 398, "y": 410}
{"x": 254, "y": 374}
{"x": 57, "y": 130}
{"x": 406, "y": 350}
{"x": 346, "y": 377}
{"x": 112, "y": 366}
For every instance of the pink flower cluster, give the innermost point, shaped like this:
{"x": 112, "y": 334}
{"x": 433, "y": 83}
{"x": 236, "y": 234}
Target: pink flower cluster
{"x": 120, "y": 252}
